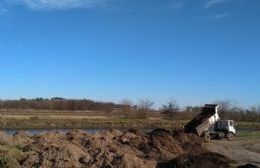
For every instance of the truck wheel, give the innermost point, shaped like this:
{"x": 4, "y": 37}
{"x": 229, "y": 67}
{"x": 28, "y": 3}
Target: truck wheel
{"x": 230, "y": 136}
{"x": 207, "y": 136}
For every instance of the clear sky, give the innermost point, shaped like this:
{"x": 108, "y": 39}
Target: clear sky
{"x": 196, "y": 51}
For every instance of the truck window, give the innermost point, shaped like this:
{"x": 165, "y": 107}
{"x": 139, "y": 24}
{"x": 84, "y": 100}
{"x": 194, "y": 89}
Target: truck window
{"x": 222, "y": 124}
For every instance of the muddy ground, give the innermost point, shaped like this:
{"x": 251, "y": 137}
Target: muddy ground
{"x": 110, "y": 148}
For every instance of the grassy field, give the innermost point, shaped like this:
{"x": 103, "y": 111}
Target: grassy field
{"x": 89, "y": 119}
{"x": 248, "y": 134}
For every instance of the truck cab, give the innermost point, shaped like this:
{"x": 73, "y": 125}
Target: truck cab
{"x": 227, "y": 126}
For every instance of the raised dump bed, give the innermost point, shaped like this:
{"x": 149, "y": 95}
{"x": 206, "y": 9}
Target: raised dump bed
{"x": 202, "y": 122}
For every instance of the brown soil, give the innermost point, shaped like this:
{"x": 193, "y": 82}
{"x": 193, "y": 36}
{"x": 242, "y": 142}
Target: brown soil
{"x": 113, "y": 148}
{"x": 4, "y": 139}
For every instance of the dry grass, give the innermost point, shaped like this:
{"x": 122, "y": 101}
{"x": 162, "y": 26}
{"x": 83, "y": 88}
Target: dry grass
{"x": 90, "y": 119}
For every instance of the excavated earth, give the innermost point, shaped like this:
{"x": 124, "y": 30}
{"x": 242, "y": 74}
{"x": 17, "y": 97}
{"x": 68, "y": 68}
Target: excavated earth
{"x": 109, "y": 148}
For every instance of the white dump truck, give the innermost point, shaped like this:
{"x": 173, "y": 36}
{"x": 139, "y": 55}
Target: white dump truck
{"x": 209, "y": 124}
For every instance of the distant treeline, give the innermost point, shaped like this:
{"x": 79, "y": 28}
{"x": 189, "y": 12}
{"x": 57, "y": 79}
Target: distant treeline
{"x": 171, "y": 110}
{"x": 60, "y": 104}
{"x": 227, "y": 110}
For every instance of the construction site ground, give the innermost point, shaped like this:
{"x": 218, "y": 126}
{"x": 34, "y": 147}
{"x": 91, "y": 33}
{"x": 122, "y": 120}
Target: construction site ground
{"x": 243, "y": 149}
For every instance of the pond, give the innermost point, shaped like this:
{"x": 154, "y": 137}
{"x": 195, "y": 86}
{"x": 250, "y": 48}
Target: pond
{"x": 40, "y": 131}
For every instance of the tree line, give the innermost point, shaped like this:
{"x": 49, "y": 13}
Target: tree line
{"x": 57, "y": 103}
{"x": 170, "y": 110}
{"x": 227, "y": 110}
{"x": 142, "y": 109}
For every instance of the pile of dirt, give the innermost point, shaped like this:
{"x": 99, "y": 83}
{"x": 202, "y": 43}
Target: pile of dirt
{"x": 21, "y": 138}
{"x": 5, "y": 139}
{"x": 80, "y": 149}
{"x": 189, "y": 141}
{"x": 112, "y": 148}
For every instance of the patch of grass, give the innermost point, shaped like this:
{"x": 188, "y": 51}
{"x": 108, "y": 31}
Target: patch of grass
{"x": 248, "y": 134}
{"x": 3, "y": 162}
{"x": 9, "y": 156}
{"x": 253, "y": 125}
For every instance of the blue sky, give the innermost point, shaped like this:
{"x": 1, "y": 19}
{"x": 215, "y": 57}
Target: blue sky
{"x": 194, "y": 51}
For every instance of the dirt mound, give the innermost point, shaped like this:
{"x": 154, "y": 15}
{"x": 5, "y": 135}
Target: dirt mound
{"x": 189, "y": 141}
{"x": 136, "y": 132}
{"x": 107, "y": 135}
{"x": 52, "y": 151}
{"x": 109, "y": 148}
{"x": 79, "y": 149}
{"x": 5, "y": 139}
{"x": 160, "y": 131}
{"x": 201, "y": 160}
{"x": 21, "y": 138}
{"x": 165, "y": 147}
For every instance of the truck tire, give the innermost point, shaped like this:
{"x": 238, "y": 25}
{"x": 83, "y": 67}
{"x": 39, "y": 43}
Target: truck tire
{"x": 207, "y": 136}
{"x": 230, "y": 136}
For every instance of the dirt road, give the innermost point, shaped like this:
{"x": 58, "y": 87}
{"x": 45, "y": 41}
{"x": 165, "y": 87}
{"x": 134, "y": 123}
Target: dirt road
{"x": 240, "y": 150}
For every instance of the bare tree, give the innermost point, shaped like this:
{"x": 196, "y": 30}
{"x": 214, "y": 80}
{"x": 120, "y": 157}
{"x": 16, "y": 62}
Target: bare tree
{"x": 224, "y": 108}
{"x": 224, "y": 105}
{"x": 170, "y": 107}
{"x": 253, "y": 109}
{"x": 143, "y": 107}
{"x": 127, "y": 106}
{"x": 258, "y": 109}
{"x": 127, "y": 102}
{"x": 194, "y": 109}
{"x": 1, "y": 104}
{"x": 145, "y": 104}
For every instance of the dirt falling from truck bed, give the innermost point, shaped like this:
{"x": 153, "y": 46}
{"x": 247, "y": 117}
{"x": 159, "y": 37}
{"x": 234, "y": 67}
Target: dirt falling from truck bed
{"x": 111, "y": 148}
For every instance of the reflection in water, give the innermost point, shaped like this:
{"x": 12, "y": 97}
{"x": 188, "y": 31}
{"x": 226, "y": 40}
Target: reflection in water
{"x": 41, "y": 131}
